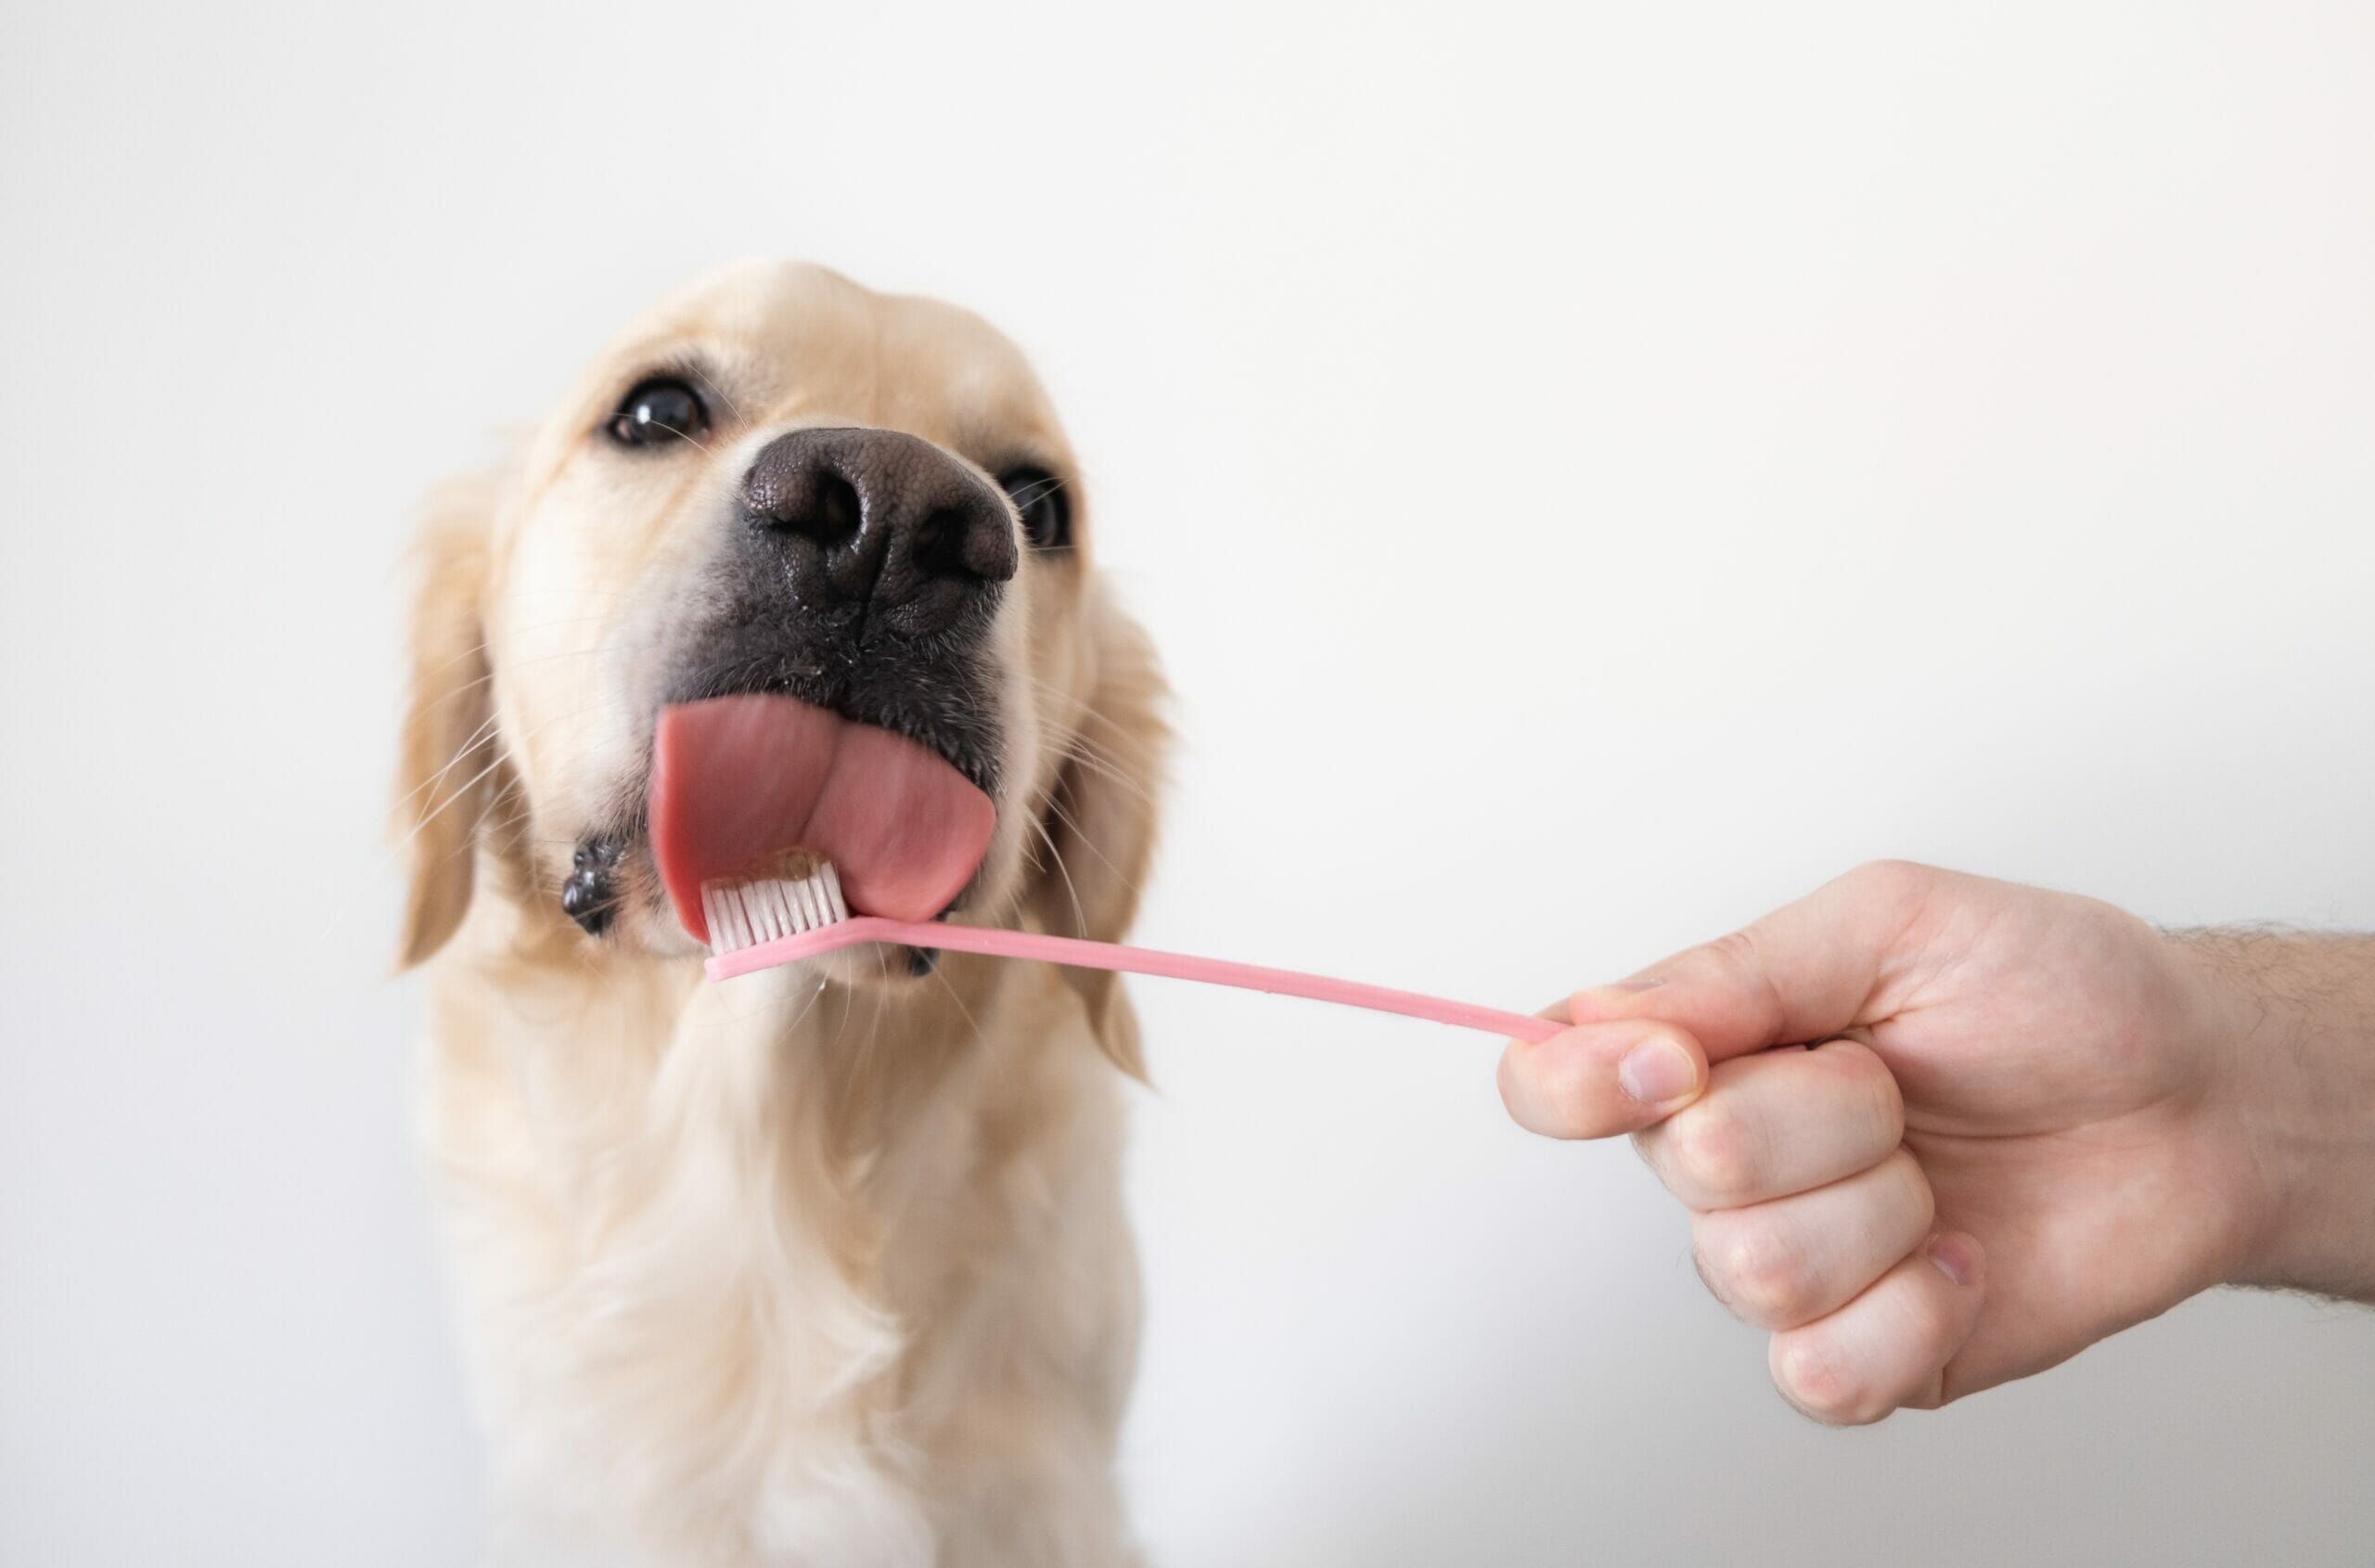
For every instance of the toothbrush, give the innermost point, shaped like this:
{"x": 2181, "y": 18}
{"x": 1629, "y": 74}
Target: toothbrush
{"x": 761, "y": 922}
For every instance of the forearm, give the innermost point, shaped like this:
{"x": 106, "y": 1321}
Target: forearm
{"x": 2293, "y": 1022}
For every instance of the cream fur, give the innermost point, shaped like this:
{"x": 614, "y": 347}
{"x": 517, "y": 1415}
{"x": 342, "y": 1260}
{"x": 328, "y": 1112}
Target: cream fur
{"x": 824, "y": 1265}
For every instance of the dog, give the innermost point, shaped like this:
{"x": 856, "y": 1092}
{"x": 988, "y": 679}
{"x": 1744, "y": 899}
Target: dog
{"x": 829, "y": 1264}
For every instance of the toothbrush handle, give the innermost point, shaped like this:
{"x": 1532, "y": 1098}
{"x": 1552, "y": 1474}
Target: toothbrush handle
{"x": 1135, "y": 960}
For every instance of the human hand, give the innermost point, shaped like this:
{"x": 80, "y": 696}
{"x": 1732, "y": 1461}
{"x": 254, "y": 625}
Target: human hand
{"x": 2029, "y": 1120}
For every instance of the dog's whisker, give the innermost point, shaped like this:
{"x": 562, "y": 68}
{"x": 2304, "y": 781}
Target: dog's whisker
{"x": 479, "y": 735}
{"x": 471, "y": 743}
{"x": 722, "y": 395}
{"x": 504, "y": 754}
{"x": 1056, "y": 808}
{"x": 403, "y": 841}
{"x": 1055, "y": 858}
{"x": 1110, "y": 771}
{"x": 685, "y": 435}
{"x": 422, "y": 677}
{"x": 1085, "y": 713}
{"x": 1066, "y": 694}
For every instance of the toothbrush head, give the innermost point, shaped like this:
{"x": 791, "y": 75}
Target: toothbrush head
{"x": 803, "y": 894}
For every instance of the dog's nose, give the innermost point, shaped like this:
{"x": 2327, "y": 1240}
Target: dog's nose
{"x": 879, "y": 519}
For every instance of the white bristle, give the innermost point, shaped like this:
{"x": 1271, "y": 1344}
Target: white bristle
{"x": 748, "y": 912}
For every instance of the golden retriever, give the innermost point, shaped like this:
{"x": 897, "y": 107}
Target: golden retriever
{"x": 826, "y": 1265}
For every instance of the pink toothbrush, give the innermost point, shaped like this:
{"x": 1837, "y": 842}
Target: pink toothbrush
{"x": 761, "y": 922}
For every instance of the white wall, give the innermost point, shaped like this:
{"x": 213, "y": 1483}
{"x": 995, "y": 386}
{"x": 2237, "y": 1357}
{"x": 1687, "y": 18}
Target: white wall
{"x": 1595, "y": 472}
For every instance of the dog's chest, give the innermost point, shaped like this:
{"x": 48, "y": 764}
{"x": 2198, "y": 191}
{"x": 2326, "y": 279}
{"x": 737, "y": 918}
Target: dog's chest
{"x": 714, "y": 1288}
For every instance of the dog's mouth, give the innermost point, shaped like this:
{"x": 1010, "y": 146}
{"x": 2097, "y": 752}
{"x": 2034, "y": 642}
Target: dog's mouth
{"x": 738, "y": 781}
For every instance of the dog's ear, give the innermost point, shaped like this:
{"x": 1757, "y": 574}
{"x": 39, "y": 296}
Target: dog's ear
{"x": 448, "y": 754}
{"x": 1100, "y": 817}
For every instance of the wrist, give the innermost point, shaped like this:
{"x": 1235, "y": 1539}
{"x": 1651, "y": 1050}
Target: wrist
{"x": 2289, "y": 1022}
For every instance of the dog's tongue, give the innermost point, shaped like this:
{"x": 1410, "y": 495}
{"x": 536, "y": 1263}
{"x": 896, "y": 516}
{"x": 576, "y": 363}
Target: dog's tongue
{"x": 738, "y": 780}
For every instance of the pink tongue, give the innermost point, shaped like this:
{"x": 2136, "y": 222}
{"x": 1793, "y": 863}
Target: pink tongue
{"x": 737, "y": 780}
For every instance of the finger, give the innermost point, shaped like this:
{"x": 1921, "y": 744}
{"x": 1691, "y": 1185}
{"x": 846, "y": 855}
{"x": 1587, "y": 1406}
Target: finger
{"x": 1805, "y": 971}
{"x": 1600, "y": 1079}
{"x": 1777, "y": 1123}
{"x": 1789, "y": 1261}
{"x": 1888, "y": 1348}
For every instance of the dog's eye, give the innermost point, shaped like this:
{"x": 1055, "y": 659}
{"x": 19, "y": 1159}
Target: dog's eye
{"x": 1047, "y": 512}
{"x": 657, "y": 412}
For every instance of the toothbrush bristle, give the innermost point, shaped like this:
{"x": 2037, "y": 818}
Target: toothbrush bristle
{"x": 745, "y": 911}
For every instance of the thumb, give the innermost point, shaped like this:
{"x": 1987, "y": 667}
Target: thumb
{"x": 1802, "y": 973}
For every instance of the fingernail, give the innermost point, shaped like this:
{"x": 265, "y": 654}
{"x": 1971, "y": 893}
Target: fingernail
{"x": 1633, "y": 985}
{"x": 1657, "y": 1070}
{"x": 1957, "y": 1257}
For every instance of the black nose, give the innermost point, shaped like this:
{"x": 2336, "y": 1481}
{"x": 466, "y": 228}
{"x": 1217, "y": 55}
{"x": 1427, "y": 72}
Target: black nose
{"x": 882, "y": 521}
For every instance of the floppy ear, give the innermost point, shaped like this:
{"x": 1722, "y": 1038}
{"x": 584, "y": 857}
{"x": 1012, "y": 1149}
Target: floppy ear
{"x": 1100, "y": 819}
{"x": 448, "y": 756}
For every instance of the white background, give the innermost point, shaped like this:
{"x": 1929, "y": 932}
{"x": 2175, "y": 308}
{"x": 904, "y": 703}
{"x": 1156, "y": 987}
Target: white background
{"x": 1594, "y": 473}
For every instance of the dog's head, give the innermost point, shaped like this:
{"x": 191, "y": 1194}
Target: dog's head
{"x": 834, "y": 517}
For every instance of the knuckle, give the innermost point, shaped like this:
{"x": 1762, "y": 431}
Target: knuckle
{"x": 1889, "y": 880}
{"x": 1733, "y": 948}
{"x": 1761, "y": 1276}
{"x": 1816, "y": 1379}
{"x": 1739, "y": 957}
{"x": 1712, "y": 1151}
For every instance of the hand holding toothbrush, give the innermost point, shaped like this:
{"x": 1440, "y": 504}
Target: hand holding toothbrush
{"x": 1937, "y": 1132}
